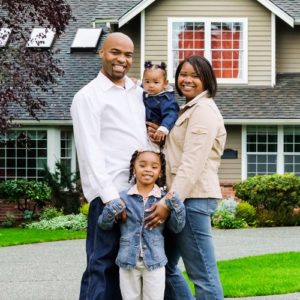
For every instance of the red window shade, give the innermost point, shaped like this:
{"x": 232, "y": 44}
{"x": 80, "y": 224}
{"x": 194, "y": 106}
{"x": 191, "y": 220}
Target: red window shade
{"x": 225, "y": 53}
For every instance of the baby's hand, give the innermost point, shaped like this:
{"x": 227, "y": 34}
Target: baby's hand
{"x": 159, "y": 136}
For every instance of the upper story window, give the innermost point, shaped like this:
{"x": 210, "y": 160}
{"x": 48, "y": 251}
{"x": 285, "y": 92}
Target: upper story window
{"x": 222, "y": 41}
{"x": 41, "y": 38}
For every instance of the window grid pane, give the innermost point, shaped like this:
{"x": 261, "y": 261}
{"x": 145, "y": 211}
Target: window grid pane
{"x": 261, "y": 150}
{"x": 23, "y": 154}
{"x": 66, "y": 148}
{"x": 227, "y": 49}
{"x": 292, "y": 149}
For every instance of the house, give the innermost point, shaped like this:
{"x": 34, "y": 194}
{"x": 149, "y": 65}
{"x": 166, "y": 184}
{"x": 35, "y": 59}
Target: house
{"x": 254, "y": 47}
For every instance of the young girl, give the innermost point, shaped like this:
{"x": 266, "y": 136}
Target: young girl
{"x": 159, "y": 99}
{"x": 141, "y": 256}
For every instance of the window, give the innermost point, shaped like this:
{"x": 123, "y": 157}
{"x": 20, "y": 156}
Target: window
{"x": 86, "y": 39}
{"x": 223, "y": 42}
{"x": 4, "y": 36}
{"x": 261, "y": 150}
{"x": 66, "y": 148}
{"x": 272, "y": 149}
{"x": 292, "y": 149}
{"x": 41, "y": 38}
{"x": 23, "y": 154}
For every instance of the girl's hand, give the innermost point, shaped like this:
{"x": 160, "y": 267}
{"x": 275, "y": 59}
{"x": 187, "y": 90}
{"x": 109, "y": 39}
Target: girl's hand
{"x": 159, "y": 215}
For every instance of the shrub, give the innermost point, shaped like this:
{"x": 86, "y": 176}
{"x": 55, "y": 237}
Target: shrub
{"x": 274, "y": 197}
{"x": 63, "y": 183}
{"x": 84, "y": 209}
{"x": 227, "y": 220}
{"x": 225, "y": 216}
{"x": 9, "y": 220}
{"x": 26, "y": 194}
{"x": 247, "y": 212}
{"x": 69, "y": 222}
{"x": 49, "y": 213}
{"x": 270, "y": 192}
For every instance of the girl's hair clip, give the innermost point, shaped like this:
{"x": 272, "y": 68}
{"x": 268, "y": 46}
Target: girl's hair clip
{"x": 148, "y": 64}
{"x": 162, "y": 66}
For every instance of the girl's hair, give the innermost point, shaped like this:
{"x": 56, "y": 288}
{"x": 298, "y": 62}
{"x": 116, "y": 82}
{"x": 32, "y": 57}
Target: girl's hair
{"x": 148, "y": 65}
{"x": 204, "y": 71}
{"x": 161, "y": 181}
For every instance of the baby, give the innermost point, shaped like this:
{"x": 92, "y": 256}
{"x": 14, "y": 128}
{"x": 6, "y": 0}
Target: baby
{"x": 159, "y": 99}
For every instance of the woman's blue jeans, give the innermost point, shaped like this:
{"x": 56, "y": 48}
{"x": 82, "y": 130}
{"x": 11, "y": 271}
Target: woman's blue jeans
{"x": 195, "y": 245}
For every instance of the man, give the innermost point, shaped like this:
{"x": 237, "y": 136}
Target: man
{"x": 109, "y": 125}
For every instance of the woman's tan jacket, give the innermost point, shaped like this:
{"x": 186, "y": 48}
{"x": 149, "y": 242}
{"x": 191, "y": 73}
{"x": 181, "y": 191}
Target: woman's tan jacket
{"x": 193, "y": 150}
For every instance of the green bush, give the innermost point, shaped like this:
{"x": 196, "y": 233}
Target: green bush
{"x": 64, "y": 185}
{"x": 9, "y": 220}
{"x": 270, "y": 192}
{"x": 84, "y": 209}
{"x": 247, "y": 212}
{"x": 224, "y": 219}
{"x": 49, "y": 213}
{"x": 69, "y": 222}
{"x": 225, "y": 216}
{"x": 274, "y": 197}
{"x": 28, "y": 195}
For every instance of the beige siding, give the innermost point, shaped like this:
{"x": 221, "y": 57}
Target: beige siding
{"x": 132, "y": 29}
{"x": 230, "y": 170}
{"x": 259, "y": 29}
{"x": 287, "y": 48}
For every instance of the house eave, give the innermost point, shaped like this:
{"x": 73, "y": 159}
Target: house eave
{"x": 44, "y": 122}
{"x": 278, "y": 12}
{"x": 134, "y": 11}
{"x": 262, "y": 121}
{"x": 266, "y": 3}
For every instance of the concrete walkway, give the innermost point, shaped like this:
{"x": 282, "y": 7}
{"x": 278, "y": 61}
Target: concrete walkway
{"x": 52, "y": 271}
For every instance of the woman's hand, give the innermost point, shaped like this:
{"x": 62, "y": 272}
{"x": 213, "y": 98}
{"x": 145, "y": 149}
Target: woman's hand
{"x": 159, "y": 215}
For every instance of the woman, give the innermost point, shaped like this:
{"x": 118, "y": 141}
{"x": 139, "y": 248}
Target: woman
{"x": 193, "y": 151}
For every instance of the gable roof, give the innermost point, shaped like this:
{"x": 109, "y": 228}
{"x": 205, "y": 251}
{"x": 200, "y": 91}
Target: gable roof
{"x": 124, "y": 11}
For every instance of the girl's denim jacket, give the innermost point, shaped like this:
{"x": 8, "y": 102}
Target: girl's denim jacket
{"x": 136, "y": 240}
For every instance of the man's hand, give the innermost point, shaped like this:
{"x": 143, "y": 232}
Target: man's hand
{"x": 159, "y": 215}
{"x": 122, "y": 216}
{"x": 152, "y": 128}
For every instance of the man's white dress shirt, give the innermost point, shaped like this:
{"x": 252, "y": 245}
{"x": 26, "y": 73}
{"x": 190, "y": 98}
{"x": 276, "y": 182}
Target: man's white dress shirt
{"x": 109, "y": 125}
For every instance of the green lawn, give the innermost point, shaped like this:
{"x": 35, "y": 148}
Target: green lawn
{"x": 251, "y": 276}
{"x": 19, "y": 236}
{"x": 269, "y": 274}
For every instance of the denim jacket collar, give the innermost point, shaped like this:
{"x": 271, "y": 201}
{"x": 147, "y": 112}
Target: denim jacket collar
{"x": 156, "y": 191}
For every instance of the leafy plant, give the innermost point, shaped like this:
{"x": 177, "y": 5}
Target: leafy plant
{"x": 69, "y": 222}
{"x": 9, "y": 220}
{"x": 247, "y": 212}
{"x": 224, "y": 219}
{"x": 63, "y": 183}
{"x": 84, "y": 209}
{"x": 28, "y": 195}
{"x": 49, "y": 213}
{"x": 274, "y": 197}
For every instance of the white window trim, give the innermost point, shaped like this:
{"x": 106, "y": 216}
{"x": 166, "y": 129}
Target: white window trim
{"x": 208, "y": 21}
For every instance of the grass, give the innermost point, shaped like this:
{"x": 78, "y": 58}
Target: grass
{"x": 269, "y": 274}
{"x": 250, "y": 276}
{"x": 20, "y": 236}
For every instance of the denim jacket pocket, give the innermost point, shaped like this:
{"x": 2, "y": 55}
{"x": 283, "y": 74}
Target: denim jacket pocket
{"x": 124, "y": 253}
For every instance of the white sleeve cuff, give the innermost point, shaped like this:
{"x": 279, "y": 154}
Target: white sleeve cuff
{"x": 163, "y": 129}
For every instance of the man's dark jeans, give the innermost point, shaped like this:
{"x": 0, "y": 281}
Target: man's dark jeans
{"x": 100, "y": 281}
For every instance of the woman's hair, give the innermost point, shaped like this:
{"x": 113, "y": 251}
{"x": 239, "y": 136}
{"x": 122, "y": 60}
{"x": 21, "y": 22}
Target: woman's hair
{"x": 161, "y": 181}
{"x": 148, "y": 65}
{"x": 204, "y": 71}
